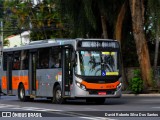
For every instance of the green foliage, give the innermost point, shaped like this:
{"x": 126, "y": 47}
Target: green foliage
{"x": 1, "y": 9}
{"x": 6, "y": 42}
{"x": 84, "y": 16}
{"x": 42, "y": 19}
{"x": 136, "y": 83}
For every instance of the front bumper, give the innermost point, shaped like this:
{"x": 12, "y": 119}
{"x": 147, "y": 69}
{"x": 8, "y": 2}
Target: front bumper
{"x": 112, "y": 93}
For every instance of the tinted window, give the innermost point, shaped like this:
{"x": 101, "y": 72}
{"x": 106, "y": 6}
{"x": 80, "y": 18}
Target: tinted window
{"x": 24, "y": 60}
{"x": 5, "y": 61}
{"x": 16, "y": 61}
{"x": 43, "y": 58}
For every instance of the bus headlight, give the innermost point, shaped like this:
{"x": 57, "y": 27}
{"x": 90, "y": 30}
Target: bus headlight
{"x": 119, "y": 86}
{"x": 80, "y": 86}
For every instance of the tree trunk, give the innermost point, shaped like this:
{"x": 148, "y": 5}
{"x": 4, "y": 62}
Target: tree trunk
{"x": 118, "y": 36}
{"x": 137, "y": 13}
{"x": 119, "y": 22}
{"x": 104, "y": 27}
{"x": 156, "y": 52}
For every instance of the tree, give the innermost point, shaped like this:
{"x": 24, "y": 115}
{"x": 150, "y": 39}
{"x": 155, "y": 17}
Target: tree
{"x": 80, "y": 17}
{"x": 119, "y": 22}
{"x": 42, "y": 19}
{"x": 94, "y": 12}
{"x": 118, "y": 34}
{"x": 96, "y": 18}
{"x": 137, "y": 13}
{"x": 6, "y": 42}
{"x": 1, "y": 9}
{"x": 154, "y": 16}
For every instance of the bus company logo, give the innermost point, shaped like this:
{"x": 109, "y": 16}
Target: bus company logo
{"x": 6, "y": 114}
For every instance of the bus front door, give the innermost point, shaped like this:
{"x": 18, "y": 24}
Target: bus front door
{"x": 9, "y": 74}
{"x": 67, "y": 71}
{"x": 32, "y": 73}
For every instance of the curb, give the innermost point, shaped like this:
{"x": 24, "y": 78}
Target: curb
{"x": 141, "y": 95}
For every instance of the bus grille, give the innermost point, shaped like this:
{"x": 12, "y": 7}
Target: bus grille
{"x": 95, "y": 92}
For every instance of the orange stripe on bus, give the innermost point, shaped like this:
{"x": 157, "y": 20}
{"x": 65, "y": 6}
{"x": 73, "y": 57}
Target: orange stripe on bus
{"x": 15, "y": 82}
{"x": 17, "y": 79}
{"x": 100, "y": 86}
{"x": 36, "y": 84}
{"x": 4, "y": 83}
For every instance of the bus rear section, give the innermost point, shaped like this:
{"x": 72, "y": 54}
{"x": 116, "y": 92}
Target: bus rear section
{"x": 35, "y": 71}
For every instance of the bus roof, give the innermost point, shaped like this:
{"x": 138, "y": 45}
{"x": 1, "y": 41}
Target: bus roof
{"x": 51, "y": 42}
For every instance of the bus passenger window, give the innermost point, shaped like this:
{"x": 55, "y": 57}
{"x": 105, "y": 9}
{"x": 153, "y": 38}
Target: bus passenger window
{"x": 55, "y": 58}
{"x": 16, "y": 64}
{"x": 44, "y": 63}
{"x": 5, "y": 61}
{"x": 24, "y": 60}
{"x": 16, "y": 61}
{"x": 43, "y": 58}
{"x": 51, "y": 61}
{"x": 57, "y": 65}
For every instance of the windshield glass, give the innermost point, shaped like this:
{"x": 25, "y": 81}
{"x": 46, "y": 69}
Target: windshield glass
{"x": 97, "y": 63}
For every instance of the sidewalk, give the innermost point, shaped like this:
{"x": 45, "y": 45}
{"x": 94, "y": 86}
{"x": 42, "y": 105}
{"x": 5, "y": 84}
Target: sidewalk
{"x": 129, "y": 94}
{"x": 141, "y": 95}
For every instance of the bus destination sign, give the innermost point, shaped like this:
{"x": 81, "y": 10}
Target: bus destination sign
{"x": 98, "y": 44}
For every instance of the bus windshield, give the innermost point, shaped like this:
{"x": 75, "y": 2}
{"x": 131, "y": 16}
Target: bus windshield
{"x": 97, "y": 63}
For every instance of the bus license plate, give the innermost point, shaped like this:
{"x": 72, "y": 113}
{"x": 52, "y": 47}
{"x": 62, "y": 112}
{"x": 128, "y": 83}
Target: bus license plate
{"x": 101, "y": 93}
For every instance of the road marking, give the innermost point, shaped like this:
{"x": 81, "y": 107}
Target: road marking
{"x": 8, "y": 106}
{"x": 36, "y": 109}
{"x": 25, "y": 108}
{"x": 90, "y": 117}
{"x": 96, "y": 118}
{"x": 61, "y": 112}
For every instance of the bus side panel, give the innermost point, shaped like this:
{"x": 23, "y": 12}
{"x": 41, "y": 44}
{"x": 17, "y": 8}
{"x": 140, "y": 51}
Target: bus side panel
{"x": 4, "y": 83}
{"x": 16, "y": 80}
{"x": 19, "y": 76}
{"x": 46, "y": 79}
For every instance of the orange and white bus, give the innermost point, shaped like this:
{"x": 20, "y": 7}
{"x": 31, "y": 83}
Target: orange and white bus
{"x": 63, "y": 69}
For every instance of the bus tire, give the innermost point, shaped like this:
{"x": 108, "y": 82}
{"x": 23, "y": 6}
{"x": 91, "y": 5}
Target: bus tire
{"x": 21, "y": 93}
{"x": 57, "y": 95}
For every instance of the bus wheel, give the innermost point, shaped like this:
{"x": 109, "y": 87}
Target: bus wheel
{"x": 57, "y": 95}
{"x": 21, "y": 93}
{"x": 99, "y": 101}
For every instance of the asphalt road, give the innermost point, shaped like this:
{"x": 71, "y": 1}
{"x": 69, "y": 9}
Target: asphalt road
{"x": 113, "y": 109}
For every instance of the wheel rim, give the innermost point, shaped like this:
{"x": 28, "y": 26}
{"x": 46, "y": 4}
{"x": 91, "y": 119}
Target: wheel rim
{"x": 58, "y": 95}
{"x": 21, "y": 94}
